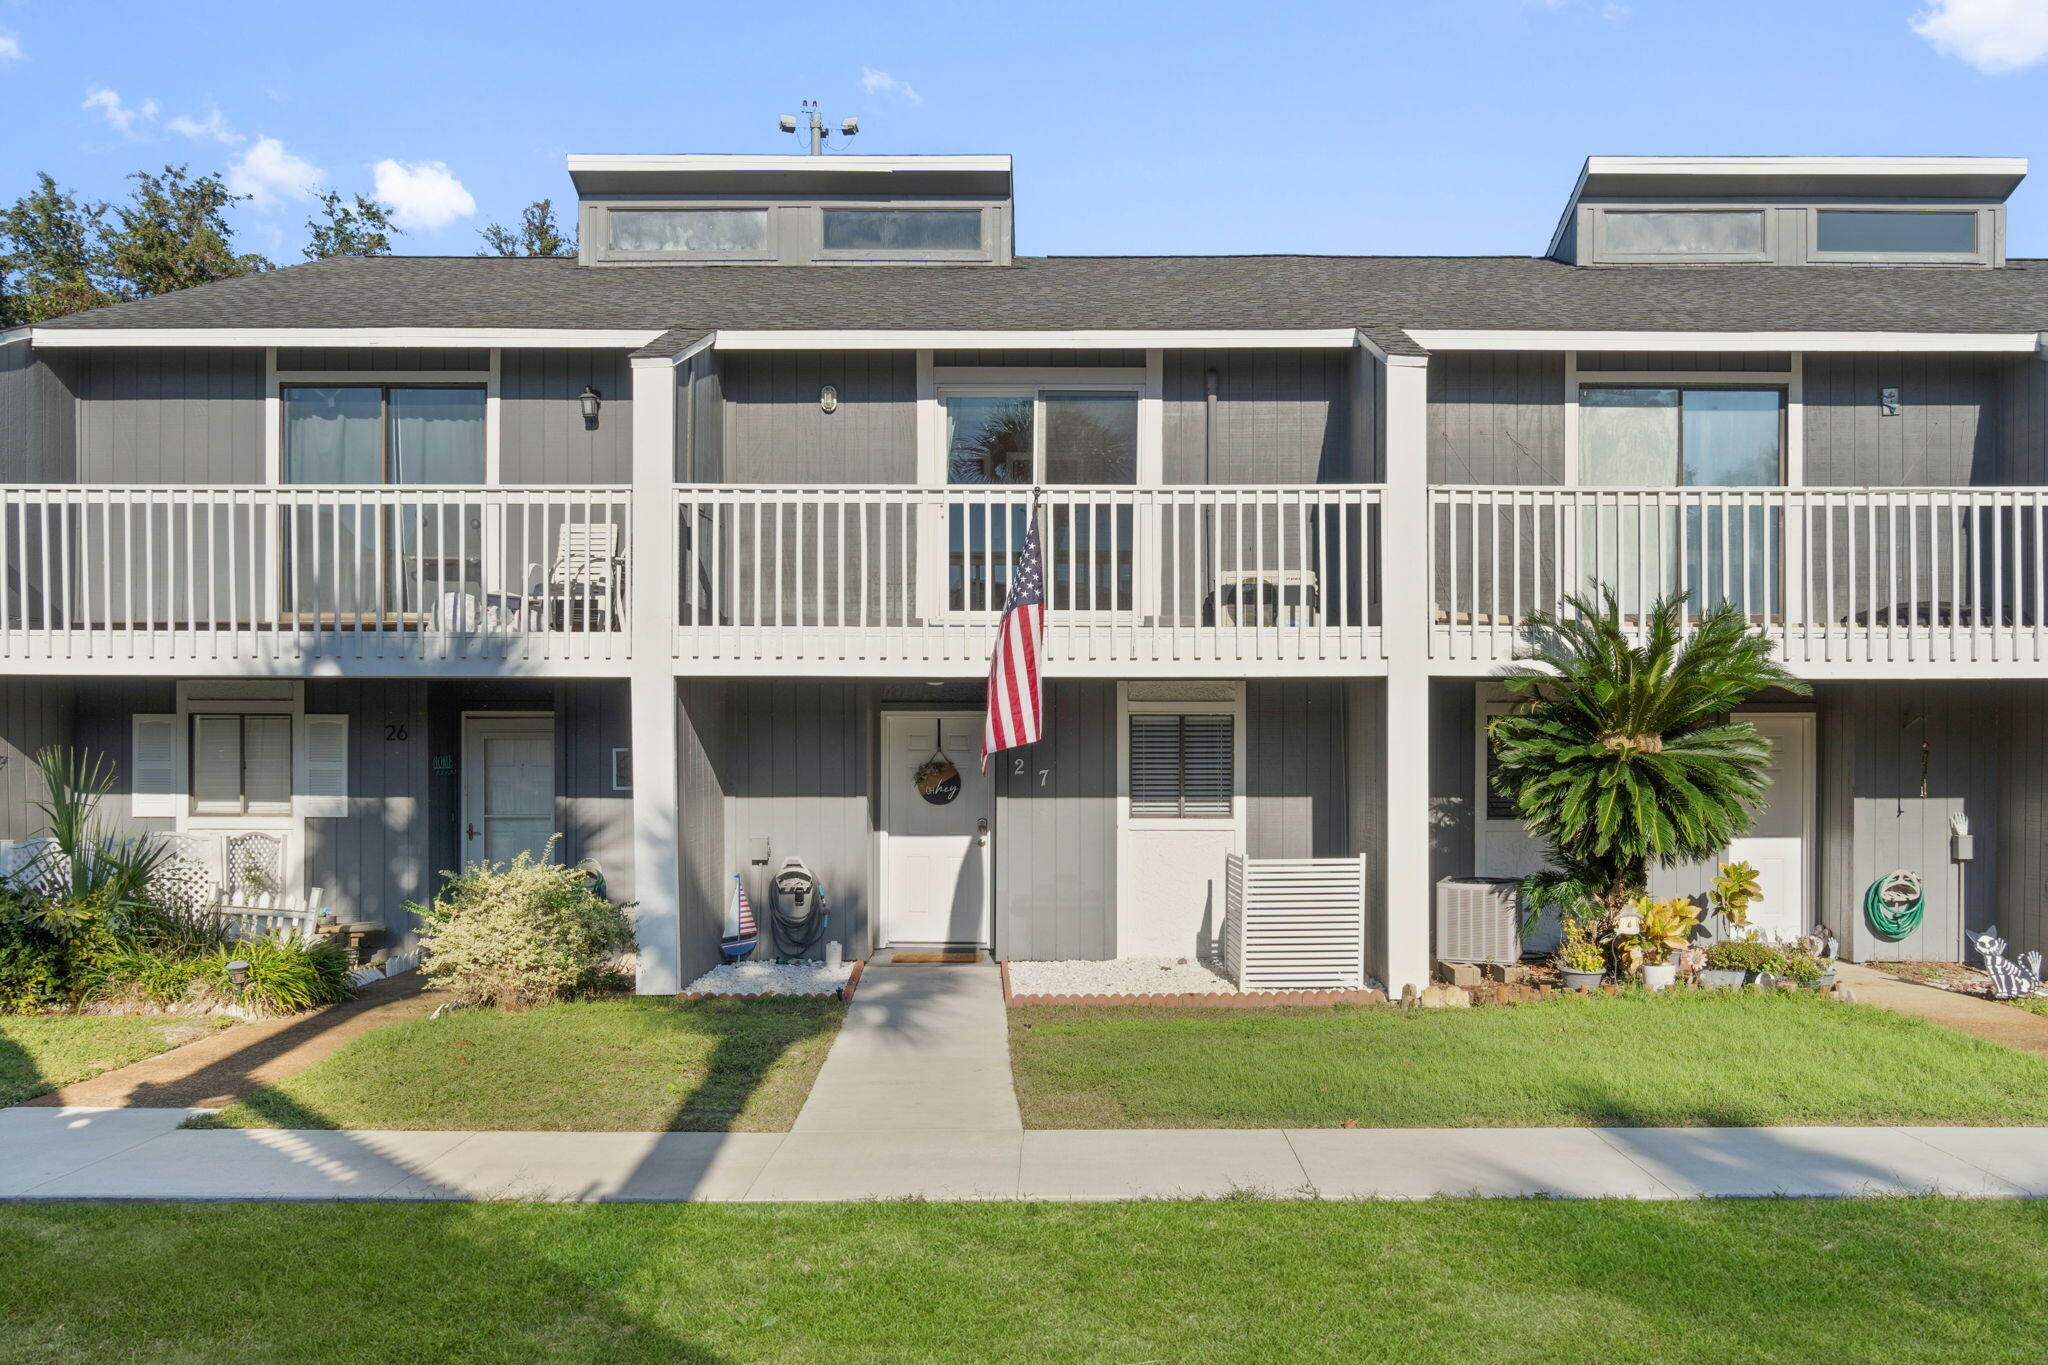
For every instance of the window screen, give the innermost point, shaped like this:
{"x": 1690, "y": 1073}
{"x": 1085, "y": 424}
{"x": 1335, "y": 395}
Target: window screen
{"x": 1903, "y": 234}
{"x": 1737, "y": 232}
{"x": 242, "y": 765}
{"x": 1181, "y": 767}
{"x": 903, "y": 229}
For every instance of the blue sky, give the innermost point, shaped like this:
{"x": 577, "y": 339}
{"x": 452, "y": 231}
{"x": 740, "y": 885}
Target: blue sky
{"x": 1451, "y": 127}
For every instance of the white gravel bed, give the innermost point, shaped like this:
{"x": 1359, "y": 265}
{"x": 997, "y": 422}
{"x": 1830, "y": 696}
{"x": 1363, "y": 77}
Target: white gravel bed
{"x": 1119, "y": 976}
{"x": 771, "y": 978}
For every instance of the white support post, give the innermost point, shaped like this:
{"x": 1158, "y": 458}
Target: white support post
{"x": 657, "y": 878}
{"x": 1404, "y": 557}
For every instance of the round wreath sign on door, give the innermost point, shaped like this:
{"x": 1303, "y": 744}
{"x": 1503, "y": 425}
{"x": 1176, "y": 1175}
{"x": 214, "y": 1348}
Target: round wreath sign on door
{"x": 938, "y": 781}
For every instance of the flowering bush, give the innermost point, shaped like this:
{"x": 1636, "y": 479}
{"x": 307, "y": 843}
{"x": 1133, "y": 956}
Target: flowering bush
{"x": 520, "y": 935}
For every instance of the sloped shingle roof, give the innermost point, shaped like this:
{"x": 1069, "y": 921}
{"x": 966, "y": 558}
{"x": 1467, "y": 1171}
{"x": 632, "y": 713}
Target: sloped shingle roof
{"x": 1380, "y": 294}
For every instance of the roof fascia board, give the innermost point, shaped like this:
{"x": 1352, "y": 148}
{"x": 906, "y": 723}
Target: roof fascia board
{"x": 614, "y": 162}
{"x": 1449, "y": 340}
{"x": 372, "y": 337}
{"x": 877, "y": 340}
{"x": 14, "y": 334}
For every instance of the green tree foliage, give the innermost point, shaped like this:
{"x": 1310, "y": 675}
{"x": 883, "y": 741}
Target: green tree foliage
{"x": 1622, "y": 755}
{"x": 171, "y": 234}
{"x": 64, "y": 256}
{"x": 362, "y": 227}
{"x": 537, "y": 234}
{"x": 50, "y": 265}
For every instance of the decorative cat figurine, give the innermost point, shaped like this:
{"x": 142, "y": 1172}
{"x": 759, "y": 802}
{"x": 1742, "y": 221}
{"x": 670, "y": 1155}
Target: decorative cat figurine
{"x": 2010, "y": 979}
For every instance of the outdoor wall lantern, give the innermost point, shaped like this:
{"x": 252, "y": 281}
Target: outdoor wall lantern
{"x": 828, "y": 399}
{"x": 591, "y": 400}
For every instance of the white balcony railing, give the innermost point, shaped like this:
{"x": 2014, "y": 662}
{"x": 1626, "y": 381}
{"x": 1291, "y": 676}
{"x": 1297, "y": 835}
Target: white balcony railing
{"x": 296, "y": 575}
{"x": 1838, "y": 577}
{"x": 877, "y": 580}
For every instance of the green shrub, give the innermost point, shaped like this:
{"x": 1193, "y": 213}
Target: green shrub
{"x": 284, "y": 975}
{"x": 154, "y": 975}
{"x": 47, "y": 947}
{"x": 1732, "y": 955}
{"x": 520, "y": 935}
{"x": 1803, "y": 967}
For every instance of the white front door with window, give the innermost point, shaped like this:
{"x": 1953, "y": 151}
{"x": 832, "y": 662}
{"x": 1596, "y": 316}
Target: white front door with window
{"x": 935, "y": 858}
{"x": 1180, "y": 818}
{"x": 508, "y": 786}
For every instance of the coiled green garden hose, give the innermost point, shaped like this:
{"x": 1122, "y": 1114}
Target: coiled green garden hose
{"x": 1894, "y": 904}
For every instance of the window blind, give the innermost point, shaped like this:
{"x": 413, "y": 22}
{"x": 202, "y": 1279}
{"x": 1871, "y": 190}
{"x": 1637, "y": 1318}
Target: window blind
{"x": 1182, "y": 766}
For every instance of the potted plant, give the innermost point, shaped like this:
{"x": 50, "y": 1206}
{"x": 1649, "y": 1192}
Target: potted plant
{"x": 1732, "y": 892}
{"x": 1663, "y": 929}
{"x": 1805, "y": 970}
{"x": 1733, "y": 961}
{"x": 1579, "y": 958}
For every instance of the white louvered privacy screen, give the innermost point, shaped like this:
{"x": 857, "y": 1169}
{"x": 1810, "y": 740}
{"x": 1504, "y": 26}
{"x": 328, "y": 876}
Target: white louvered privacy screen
{"x": 1294, "y": 923}
{"x": 1181, "y": 767}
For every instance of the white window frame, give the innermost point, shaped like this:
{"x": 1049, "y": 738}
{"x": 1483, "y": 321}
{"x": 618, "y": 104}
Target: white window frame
{"x": 242, "y": 714}
{"x": 1233, "y": 707}
{"x": 936, "y": 384}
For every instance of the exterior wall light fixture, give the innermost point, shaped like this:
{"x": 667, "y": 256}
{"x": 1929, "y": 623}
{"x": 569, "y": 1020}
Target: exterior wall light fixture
{"x": 591, "y": 400}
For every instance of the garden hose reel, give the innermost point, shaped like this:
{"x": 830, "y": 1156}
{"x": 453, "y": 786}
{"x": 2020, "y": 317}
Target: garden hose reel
{"x": 1894, "y": 904}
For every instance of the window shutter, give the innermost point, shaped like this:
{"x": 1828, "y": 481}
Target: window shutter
{"x": 1181, "y": 767}
{"x": 154, "y": 788}
{"x": 321, "y": 788}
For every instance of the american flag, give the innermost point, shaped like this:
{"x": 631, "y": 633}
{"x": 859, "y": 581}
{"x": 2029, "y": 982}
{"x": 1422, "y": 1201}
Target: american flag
{"x": 1016, "y": 715}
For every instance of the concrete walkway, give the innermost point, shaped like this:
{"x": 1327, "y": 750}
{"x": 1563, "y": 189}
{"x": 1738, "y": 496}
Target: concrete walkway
{"x": 222, "y": 1068}
{"x": 140, "y": 1154}
{"x": 1985, "y": 1019}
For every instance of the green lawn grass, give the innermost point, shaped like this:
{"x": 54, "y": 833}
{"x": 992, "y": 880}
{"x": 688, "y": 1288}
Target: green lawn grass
{"x": 1458, "y": 1281}
{"x": 1683, "y": 1057}
{"x": 622, "y": 1065}
{"x": 40, "y": 1052}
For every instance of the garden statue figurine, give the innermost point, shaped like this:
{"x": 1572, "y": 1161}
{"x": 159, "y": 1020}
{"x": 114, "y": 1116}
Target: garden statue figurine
{"x": 2011, "y": 979}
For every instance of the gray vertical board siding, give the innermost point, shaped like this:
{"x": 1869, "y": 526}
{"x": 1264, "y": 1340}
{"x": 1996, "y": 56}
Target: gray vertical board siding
{"x": 102, "y": 712}
{"x": 1874, "y": 756}
{"x": 1368, "y": 375}
{"x": 312, "y": 358}
{"x": 543, "y": 437}
{"x": 795, "y": 768}
{"x": 1294, "y": 780}
{"x": 2021, "y": 912}
{"x": 592, "y": 718}
{"x": 1282, "y": 416}
{"x": 1453, "y": 782}
{"x": 776, "y": 432}
{"x": 1945, "y": 435}
{"x": 1496, "y": 418}
{"x": 38, "y": 439}
{"x": 157, "y": 416}
{"x": 35, "y": 714}
{"x": 1727, "y": 362}
{"x": 1066, "y": 360}
{"x": 2023, "y": 422}
{"x": 703, "y": 425}
{"x": 1365, "y": 767}
{"x": 704, "y": 870}
{"x": 1055, "y": 831}
{"x": 372, "y": 862}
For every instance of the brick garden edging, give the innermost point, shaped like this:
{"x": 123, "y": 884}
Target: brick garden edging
{"x": 1198, "y": 999}
{"x": 845, "y": 992}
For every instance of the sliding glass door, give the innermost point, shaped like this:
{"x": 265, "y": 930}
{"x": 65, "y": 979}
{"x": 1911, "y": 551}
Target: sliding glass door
{"x": 1718, "y": 548}
{"x": 1041, "y": 437}
{"x": 348, "y": 562}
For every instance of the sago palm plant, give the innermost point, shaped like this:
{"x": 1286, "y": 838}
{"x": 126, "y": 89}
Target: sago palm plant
{"x": 1622, "y": 754}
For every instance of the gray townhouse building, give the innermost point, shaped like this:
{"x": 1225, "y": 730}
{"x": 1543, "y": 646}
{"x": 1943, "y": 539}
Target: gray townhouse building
{"x": 689, "y": 550}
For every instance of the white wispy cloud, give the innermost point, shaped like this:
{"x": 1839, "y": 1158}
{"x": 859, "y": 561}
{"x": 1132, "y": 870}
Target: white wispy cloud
{"x": 213, "y": 128}
{"x": 1995, "y": 36}
{"x": 269, "y": 174}
{"x": 122, "y": 116}
{"x": 10, "y": 48}
{"x": 423, "y": 194}
{"x": 882, "y": 83}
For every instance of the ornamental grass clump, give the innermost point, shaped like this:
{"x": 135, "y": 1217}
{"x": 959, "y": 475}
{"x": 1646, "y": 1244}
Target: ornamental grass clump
{"x": 520, "y": 935}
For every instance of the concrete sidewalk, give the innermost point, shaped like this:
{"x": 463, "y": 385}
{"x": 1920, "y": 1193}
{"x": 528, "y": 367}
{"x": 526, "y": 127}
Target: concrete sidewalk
{"x": 140, "y": 1154}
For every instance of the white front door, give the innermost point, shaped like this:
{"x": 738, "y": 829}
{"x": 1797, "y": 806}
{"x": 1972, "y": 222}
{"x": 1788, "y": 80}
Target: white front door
{"x": 508, "y": 786}
{"x": 1780, "y": 845}
{"x": 935, "y": 874}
